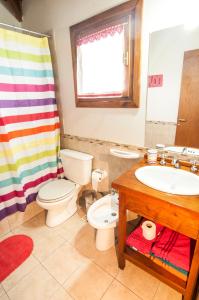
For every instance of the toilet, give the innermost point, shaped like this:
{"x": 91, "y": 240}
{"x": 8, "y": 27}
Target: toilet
{"x": 59, "y": 196}
{"x": 103, "y": 216}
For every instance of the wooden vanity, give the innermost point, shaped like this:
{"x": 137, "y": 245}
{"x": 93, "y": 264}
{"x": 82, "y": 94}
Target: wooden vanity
{"x": 179, "y": 213}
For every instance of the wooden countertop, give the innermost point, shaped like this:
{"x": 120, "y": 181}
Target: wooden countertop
{"x": 128, "y": 183}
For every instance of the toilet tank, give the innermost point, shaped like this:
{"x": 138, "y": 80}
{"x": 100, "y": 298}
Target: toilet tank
{"x": 77, "y": 166}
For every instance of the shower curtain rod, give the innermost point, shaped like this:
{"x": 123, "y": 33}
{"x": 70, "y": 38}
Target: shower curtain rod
{"x": 26, "y": 30}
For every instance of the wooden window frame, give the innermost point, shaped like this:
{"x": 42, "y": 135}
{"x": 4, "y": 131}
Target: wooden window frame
{"x": 133, "y": 9}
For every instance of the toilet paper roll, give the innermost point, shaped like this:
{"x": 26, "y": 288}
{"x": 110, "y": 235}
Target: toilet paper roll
{"x": 148, "y": 230}
{"x": 96, "y": 178}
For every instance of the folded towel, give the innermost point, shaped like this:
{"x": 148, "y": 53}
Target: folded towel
{"x": 175, "y": 271}
{"x": 166, "y": 262}
{"x": 173, "y": 247}
{"x": 136, "y": 240}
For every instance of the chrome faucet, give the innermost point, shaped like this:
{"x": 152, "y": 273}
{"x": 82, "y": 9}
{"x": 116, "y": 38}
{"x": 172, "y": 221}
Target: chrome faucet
{"x": 163, "y": 161}
{"x": 194, "y": 167}
{"x": 184, "y": 150}
{"x": 175, "y": 162}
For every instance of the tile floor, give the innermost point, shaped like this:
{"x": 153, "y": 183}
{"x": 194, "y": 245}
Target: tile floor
{"x": 65, "y": 265}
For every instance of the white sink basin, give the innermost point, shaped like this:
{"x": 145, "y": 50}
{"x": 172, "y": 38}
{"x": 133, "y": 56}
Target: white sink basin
{"x": 184, "y": 150}
{"x": 124, "y": 153}
{"x": 169, "y": 180}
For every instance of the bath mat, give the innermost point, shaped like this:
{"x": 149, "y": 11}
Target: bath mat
{"x": 13, "y": 252}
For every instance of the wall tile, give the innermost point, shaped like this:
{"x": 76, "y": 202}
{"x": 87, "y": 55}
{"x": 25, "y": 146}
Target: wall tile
{"x": 159, "y": 133}
{"x": 102, "y": 159}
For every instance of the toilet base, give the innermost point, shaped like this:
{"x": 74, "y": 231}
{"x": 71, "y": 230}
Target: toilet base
{"x": 59, "y": 215}
{"x": 105, "y": 238}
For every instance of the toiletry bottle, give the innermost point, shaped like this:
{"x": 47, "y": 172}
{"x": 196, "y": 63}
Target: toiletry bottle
{"x": 152, "y": 155}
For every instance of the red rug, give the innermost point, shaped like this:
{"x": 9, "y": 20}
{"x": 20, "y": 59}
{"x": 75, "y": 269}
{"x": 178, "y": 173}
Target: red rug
{"x": 13, "y": 252}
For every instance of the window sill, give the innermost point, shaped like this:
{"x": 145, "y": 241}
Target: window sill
{"x": 106, "y": 103}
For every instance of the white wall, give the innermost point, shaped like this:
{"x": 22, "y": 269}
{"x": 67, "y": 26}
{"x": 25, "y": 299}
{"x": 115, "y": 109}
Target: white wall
{"x": 119, "y": 125}
{"x": 7, "y": 17}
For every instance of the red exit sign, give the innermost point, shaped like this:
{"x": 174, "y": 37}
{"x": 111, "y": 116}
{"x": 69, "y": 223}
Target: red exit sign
{"x": 155, "y": 80}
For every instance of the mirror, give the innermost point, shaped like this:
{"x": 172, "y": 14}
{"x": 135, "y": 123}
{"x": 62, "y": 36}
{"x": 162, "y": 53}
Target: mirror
{"x": 172, "y": 116}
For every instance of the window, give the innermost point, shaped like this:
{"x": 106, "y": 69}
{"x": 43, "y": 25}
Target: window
{"x": 106, "y": 57}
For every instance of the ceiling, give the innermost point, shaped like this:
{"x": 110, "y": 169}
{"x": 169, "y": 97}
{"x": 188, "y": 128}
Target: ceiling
{"x": 14, "y": 7}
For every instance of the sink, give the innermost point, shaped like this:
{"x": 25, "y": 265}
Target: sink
{"x": 184, "y": 150}
{"x": 169, "y": 180}
{"x": 124, "y": 153}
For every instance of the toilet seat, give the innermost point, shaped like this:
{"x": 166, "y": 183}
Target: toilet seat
{"x": 56, "y": 190}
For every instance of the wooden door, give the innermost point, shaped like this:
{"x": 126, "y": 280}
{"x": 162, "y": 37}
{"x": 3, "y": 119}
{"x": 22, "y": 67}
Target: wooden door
{"x": 187, "y": 132}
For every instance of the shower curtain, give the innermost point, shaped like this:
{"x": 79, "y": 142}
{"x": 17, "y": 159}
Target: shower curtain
{"x": 29, "y": 122}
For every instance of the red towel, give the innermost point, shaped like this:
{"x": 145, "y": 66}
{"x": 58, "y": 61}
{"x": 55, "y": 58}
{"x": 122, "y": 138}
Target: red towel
{"x": 173, "y": 247}
{"x": 138, "y": 242}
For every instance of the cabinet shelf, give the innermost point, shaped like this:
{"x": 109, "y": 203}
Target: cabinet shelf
{"x": 179, "y": 213}
{"x": 154, "y": 269}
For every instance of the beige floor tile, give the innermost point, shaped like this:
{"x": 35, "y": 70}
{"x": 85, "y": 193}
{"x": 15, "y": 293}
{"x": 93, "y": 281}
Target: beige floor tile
{"x": 33, "y": 209}
{"x": 37, "y": 285}
{"x": 64, "y": 261}
{"x": 139, "y": 281}
{"x": 45, "y": 244}
{"x": 5, "y": 236}
{"x": 117, "y": 291}
{"x": 1, "y": 289}
{"x": 37, "y": 225}
{"x": 69, "y": 229}
{"x": 165, "y": 292}
{"x": 39, "y": 220}
{"x": 4, "y": 296}
{"x": 4, "y": 227}
{"x": 16, "y": 219}
{"x": 107, "y": 260}
{"x": 17, "y": 275}
{"x": 60, "y": 294}
{"x": 45, "y": 239}
{"x": 88, "y": 283}
{"x": 84, "y": 242}
{"x": 33, "y": 226}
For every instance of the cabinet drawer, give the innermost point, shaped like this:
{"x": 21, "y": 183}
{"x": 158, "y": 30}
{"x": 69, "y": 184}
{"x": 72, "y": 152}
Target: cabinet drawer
{"x": 171, "y": 216}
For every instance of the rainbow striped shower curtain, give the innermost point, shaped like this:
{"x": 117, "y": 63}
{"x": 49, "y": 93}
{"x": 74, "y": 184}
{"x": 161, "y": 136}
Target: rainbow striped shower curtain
{"x": 29, "y": 122}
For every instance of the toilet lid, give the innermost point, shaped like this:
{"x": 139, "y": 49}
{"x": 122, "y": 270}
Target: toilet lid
{"x": 56, "y": 189}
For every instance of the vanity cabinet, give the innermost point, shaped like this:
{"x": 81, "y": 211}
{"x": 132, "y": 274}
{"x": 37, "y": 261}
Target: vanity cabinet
{"x": 179, "y": 213}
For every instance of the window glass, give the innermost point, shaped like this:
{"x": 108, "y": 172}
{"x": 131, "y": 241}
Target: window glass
{"x": 100, "y": 63}
{"x": 106, "y": 57}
